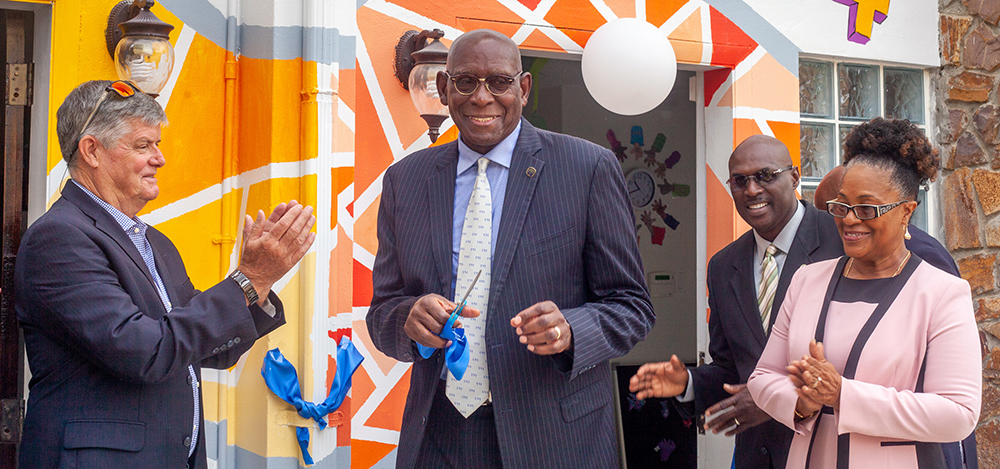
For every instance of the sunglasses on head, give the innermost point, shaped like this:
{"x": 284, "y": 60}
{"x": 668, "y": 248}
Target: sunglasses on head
{"x": 466, "y": 84}
{"x": 762, "y": 178}
{"x": 122, "y": 88}
{"x": 861, "y": 211}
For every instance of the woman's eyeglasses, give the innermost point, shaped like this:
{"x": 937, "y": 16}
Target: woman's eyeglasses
{"x": 762, "y": 177}
{"x": 861, "y": 211}
{"x": 467, "y": 84}
{"x": 122, "y": 88}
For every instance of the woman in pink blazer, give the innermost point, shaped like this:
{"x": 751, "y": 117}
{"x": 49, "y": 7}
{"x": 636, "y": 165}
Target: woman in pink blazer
{"x": 874, "y": 357}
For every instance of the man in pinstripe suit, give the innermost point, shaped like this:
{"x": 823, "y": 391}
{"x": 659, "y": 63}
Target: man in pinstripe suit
{"x": 566, "y": 290}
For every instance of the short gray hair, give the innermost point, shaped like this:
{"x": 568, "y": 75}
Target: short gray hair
{"x": 111, "y": 122}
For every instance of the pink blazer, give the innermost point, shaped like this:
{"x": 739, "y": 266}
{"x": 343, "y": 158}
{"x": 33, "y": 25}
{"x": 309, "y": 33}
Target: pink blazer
{"x": 932, "y": 315}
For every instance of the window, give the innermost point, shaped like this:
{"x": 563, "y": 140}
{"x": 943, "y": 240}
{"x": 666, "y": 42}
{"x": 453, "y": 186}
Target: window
{"x": 836, "y": 96}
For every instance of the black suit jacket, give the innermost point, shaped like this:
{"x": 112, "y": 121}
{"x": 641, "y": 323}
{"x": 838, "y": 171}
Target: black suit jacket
{"x": 109, "y": 380}
{"x": 737, "y": 336}
{"x": 567, "y": 234}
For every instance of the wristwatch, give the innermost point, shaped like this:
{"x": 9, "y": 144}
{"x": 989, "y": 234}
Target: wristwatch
{"x": 245, "y": 285}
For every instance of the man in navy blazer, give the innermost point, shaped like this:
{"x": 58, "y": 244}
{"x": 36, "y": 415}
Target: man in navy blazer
{"x": 566, "y": 294}
{"x": 762, "y": 182}
{"x": 114, "y": 330}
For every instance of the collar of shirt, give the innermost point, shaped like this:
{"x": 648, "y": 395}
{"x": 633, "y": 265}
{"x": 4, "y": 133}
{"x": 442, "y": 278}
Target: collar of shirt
{"x": 128, "y": 224}
{"x": 784, "y": 239}
{"x": 500, "y": 154}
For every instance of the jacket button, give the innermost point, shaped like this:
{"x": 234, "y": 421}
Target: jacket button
{"x": 231, "y": 343}
{"x": 423, "y": 421}
{"x": 236, "y": 340}
{"x": 189, "y": 379}
{"x": 763, "y": 451}
{"x": 187, "y": 441}
{"x": 215, "y": 350}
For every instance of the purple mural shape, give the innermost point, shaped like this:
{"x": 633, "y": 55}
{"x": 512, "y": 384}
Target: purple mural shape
{"x": 878, "y": 16}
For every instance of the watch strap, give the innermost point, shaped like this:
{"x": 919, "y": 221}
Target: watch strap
{"x": 245, "y": 285}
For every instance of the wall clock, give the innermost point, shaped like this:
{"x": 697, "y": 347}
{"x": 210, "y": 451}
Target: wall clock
{"x": 641, "y": 187}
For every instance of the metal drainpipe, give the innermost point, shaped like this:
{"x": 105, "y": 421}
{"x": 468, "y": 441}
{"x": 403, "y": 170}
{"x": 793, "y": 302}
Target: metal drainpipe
{"x": 311, "y": 11}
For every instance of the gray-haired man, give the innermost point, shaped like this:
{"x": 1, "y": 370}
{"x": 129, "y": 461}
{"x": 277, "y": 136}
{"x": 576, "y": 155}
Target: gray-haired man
{"x": 115, "y": 332}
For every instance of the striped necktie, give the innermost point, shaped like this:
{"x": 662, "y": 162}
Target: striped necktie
{"x": 768, "y": 285}
{"x": 474, "y": 254}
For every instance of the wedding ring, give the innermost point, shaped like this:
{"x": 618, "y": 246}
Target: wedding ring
{"x": 816, "y": 382}
{"x": 737, "y": 421}
{"x": 558, "y": 333}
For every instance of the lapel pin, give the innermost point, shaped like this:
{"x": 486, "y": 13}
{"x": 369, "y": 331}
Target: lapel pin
{"x": 531, "y": 171}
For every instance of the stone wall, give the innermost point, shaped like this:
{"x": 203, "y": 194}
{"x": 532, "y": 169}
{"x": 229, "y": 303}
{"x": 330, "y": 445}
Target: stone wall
{"x": 968, "y": 114}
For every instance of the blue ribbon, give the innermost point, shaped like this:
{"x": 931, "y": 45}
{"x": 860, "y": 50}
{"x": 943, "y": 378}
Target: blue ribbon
{"x": 456, "y": 355}
{"x": 282, "y": 379}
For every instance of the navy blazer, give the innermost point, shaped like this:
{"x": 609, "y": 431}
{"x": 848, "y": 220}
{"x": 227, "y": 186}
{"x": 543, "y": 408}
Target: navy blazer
{"x": 737, "y": 336}
{"x": 109, "y": 381}
{"x": 567, "y": 234}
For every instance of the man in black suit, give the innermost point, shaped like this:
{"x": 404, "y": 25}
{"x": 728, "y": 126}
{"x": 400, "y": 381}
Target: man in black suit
{"x": 747, "y": 281}
{"x": 115, "y": 332}
{"x": 561, "y": 289}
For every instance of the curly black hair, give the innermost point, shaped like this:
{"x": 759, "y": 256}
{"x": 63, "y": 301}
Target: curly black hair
{"x": 895, "y": 145}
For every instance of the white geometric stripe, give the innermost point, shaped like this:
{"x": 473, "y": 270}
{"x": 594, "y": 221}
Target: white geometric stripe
{"x": 474, "y": 256}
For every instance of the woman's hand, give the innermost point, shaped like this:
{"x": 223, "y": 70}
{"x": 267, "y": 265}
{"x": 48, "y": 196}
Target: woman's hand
{"x": 815, "y": 378}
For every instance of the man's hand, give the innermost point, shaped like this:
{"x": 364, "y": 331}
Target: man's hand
{"x": 428, "y": 316}
{"x": 664, "y": 379}
{"x": 272, "y": 246}
{"x": 743, "y": 412}
{"x": 543, "y": 328}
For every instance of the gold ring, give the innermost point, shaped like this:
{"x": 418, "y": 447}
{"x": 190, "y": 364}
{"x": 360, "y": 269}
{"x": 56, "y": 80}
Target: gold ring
{"x": 737, "y": 421}
{"x": 558, "y": 333}
{"x": 816, "y": 382}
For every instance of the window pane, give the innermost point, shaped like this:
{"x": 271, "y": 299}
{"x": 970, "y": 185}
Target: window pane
{"x": 904, "y": 94}
{"x": 919, "y": 217}
{"x": 844, "y": 130}
{"x": 816, "y": 144}
{"x": 809, "y": 194}
{"x": 815, "y": 89}
{"x": 859, "y": 93}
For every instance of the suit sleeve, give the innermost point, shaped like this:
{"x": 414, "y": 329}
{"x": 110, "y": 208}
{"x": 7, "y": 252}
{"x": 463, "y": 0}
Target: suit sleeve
{"x": 71, "y": 290}
{"x": 952, "y": 383}
{"x": 708, "y": 379}
{"x": 390, "y": 303}
{"x": 619, "y": 313}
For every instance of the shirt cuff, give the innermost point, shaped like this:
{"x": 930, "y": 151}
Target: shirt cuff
{"x": 688, "y": 395}
{"x": 268, "y": 307}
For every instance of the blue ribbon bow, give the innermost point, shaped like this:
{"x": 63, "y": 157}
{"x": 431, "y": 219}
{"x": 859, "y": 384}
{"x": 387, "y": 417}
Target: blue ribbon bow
{"x": 456, "y": 355}
{"x": 282, "y": 379}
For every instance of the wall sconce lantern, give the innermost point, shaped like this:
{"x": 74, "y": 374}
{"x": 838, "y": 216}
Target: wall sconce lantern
{"x": 417, "y": 65}
{"x": 139, "y": 42}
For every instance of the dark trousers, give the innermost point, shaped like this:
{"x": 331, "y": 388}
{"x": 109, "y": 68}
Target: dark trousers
{"x": 455, "y": 442}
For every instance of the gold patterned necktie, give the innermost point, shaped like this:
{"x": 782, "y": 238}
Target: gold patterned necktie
{"x": 768, "y": 285}
{"x": 474, "y": 254}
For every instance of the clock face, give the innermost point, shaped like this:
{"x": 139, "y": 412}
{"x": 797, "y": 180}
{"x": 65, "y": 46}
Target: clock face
{"x": 641, "y": 187}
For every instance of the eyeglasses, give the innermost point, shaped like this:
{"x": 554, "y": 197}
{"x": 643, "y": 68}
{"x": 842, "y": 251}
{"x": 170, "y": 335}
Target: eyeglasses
{"x": 861, "y": 211}
{"x": 122, "y": 88}
{"x": 762, "y": 177}
{"x": 497, "y": 85}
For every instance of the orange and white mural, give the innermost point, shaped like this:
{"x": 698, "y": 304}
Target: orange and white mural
{"x": 274, "y": 100}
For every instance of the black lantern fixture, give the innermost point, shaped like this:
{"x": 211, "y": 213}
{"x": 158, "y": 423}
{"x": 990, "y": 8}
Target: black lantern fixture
{"x": 417, "y": 65}
{"x": 140, "y": 44}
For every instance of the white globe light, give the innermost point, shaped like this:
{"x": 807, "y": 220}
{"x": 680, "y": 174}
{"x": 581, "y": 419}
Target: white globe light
{"x": 629, "y": 66}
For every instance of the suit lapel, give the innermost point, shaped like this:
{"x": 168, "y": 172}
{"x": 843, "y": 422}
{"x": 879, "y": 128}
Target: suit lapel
{"x": 517, "y": 200}
{"x": 441, "y": 199}
{"x": 107, "y": 224}
{"x": 743, "y": 287}
{"x": 806, "y": 242}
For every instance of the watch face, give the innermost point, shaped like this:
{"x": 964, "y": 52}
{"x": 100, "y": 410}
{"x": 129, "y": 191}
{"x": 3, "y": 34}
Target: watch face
{"x": 641, "y": 187}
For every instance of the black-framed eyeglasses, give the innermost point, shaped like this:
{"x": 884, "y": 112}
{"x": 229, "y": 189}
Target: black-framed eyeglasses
{"x": 497, "y": 85}
{"x": 122, "y": 88}
{"x": 861, "y": 211}
{"x": 762, "y": 177}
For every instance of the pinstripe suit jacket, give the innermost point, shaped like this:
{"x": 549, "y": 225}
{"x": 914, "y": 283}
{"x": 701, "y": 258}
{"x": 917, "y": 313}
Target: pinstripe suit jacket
{"x": 567, "y": 235}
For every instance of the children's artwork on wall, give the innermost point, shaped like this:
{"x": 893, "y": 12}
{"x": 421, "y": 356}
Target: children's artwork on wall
{"x": 616, "y": 147}
{"x": 637, "y": 141}
{"x": 655, "y": 148}
{"x": 681, "y": 190}
{"x": 672, "y": 159}
{"x": 661, "y": 209}
{"x": 657, "y": 233}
